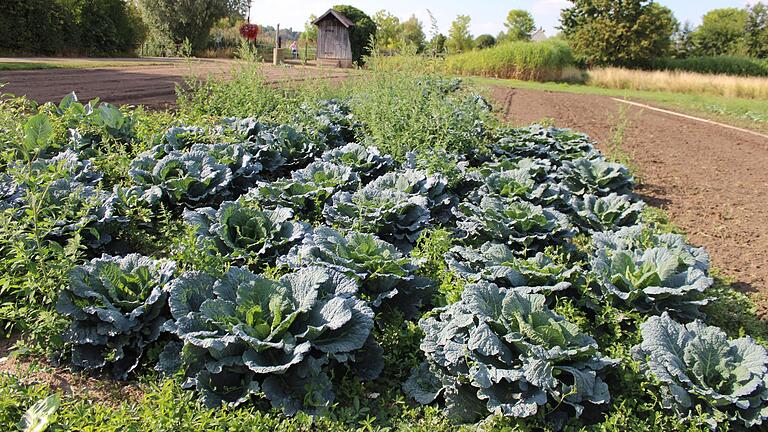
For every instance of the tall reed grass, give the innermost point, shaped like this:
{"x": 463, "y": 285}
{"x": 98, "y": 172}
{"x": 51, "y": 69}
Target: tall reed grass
{"x": 680, "y": 82}
{"x": 533, "y": 61}
{"x": 730, "y": 65}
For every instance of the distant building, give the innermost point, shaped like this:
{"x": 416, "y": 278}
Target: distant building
{"x": 538, "y": 35}
{"x": 333, "y": 45}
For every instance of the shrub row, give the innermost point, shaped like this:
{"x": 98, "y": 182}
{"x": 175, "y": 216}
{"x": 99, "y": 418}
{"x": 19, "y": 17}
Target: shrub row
{"x": 730, "y": 65}
{"x": 83, "y": 27}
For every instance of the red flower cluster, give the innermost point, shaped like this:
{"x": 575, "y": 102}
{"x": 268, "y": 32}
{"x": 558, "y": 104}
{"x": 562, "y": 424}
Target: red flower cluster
{"x": 249, "y": 31}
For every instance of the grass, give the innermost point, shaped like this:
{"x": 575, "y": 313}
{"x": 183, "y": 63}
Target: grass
{"x": 680, "y": 82}
{"x": 538, "y": 61}
{"x": 746, "y": 113}
{"x": 731, "y": 65}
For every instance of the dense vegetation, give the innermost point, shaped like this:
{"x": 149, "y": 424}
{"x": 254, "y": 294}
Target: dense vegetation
{"x": 354, "y": 252}
{"x": 742, "y": 66}
{"x": 72, "y": 27}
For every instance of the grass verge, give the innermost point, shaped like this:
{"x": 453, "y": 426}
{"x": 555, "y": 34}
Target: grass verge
{"x": 747, "y": 113}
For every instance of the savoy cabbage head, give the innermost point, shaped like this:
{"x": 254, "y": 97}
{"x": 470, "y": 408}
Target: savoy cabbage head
{"x": 386, "y": 276}
{"x": 523, "y": 226}
{"x": 393, "y": 215}
{"x": 607, "y": 213}
{"x": 192, "y": 178}
{"x": 242, "y": 231}
{"x": 651, "y": 273}
{"x": 497, "y": 351}
{"x": 596, "y": 176}
{"x": 495, "y": 262}
{"x": 116, "y": 307}
{"x": 367, "y": 162}
{"x": 243, "y": 332}
{"x": 697, "y": 366}
{"x": 308, "y": 189}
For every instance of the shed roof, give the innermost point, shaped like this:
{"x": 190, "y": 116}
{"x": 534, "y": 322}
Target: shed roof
{"x": 346, "y": 22}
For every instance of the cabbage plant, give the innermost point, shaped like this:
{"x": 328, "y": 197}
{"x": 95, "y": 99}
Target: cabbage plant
{"x": 544, "y": 143}
{"x": 495, "y": 262}
{"x": 308, "y": 189}
{"x": 522, "y": 184}
{"x": 242, "y": 333}
{"x": 386, "y": 276}
{"x": 593, "y": 213}
{"x": 699, "y": 368}
{"x": 523, "y": 226}
{"x": 367, "y": 162}
{"x": 242, "y": 231}
{"x": 393, "y": 215}
{"x": 116, "y": 307}
{"x": 500, "y": 352}
{"x": 653, "y": 274}
{"x": 191, "y": 178}
{"x": 596, "y": 176}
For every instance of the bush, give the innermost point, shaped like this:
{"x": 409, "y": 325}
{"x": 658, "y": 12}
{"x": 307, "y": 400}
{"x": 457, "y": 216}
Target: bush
{"x": 729, "y": 65}
{"x": 539, "y": 61}
{"x": 72, "y": 27}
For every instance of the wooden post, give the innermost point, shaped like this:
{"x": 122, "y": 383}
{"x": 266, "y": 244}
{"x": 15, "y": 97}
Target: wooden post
{"x": 277, "y": 52}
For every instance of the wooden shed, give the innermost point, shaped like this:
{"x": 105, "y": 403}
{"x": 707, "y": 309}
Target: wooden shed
{"x": 333, "y": 46}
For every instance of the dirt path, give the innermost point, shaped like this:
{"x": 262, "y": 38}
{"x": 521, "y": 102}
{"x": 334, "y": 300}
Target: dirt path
{"x": 712, "y": 181}
{"x": 152, "y": 86}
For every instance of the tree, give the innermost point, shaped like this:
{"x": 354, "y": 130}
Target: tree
{"x": 310, "y": 30}
{"x": 756, "y": 30}
{"x": 360, "y": 34}
{"x": 412, "y": 33}
{"x": 722, "y": 32}
{"x": 485, "y": 41}
{"x": 387, "y": 30}
{"x": 519, "y": 25}
{"x": 618, "y": 32}
{"x": 682, "y": 41}
{"x": 459, "y": 38}
{"x": 187, "y": 20}
{"x": 438, "y": 43}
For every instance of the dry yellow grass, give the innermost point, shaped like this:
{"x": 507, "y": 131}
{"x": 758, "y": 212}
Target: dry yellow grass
{"x": 680, "y": 82}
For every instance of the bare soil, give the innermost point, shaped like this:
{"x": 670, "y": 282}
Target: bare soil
{"x": 712, "y": 181}
{"x": 152, "y": 86}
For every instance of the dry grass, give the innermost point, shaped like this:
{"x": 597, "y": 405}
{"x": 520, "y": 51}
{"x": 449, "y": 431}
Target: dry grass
{"x": 680, "y": 82}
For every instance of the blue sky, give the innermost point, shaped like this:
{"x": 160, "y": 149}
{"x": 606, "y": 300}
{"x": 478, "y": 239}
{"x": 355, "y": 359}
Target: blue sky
{"x": 487, "y": 15}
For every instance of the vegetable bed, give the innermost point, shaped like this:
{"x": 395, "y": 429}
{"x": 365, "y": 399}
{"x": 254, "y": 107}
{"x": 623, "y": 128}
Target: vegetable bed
{"x": 297, "y": 268}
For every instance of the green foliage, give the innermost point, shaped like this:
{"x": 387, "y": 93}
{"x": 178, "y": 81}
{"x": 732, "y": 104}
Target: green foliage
{"x": 484, "y": 41}
{"x": 191, "y": 20}
{"x": 412, "y": 34}
{"x": 539, "y": 61}
{"x": 359, "y": 35}
{"x": 459, "y": 38}
{"x": 387, "y": 30}
{"x": 618, "y": 32}
{"x": 84, "y": 27}
{"x": 756, "y": 30}
{"x": 729, "y": 65}
{"x": 519, "y": 25}
{"x": 721, "y": 32}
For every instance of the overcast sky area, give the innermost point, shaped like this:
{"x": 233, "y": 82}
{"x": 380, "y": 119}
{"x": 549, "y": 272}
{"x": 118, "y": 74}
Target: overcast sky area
{"x": 487, "y": 15}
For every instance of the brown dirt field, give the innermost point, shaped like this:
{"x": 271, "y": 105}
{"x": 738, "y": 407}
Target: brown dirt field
{"x": 151, "y": 86}
{"x": 712, "y": 181}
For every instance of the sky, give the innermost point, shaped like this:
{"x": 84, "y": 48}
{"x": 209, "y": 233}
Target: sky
{"x": 487, "y": 15}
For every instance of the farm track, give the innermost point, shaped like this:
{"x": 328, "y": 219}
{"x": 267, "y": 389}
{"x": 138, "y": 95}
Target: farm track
{"x": 151, "y": 86}
{"x": 712, "y": 181}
